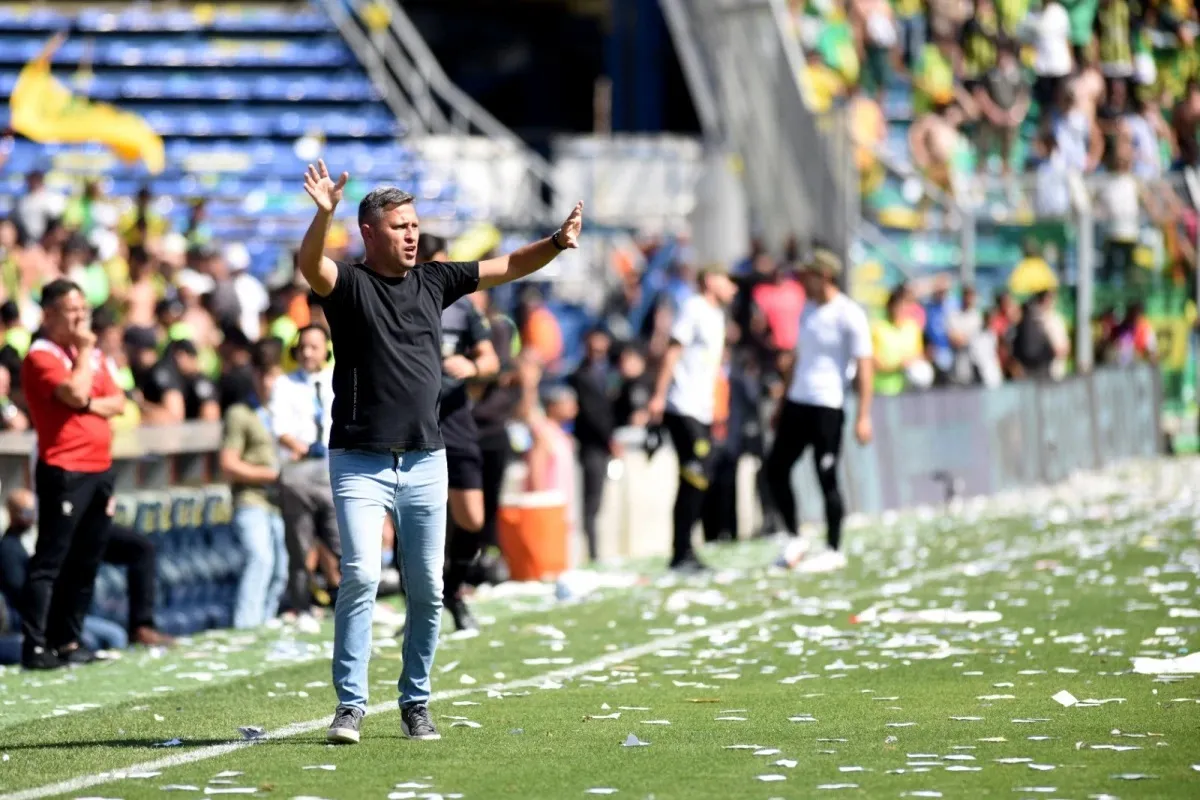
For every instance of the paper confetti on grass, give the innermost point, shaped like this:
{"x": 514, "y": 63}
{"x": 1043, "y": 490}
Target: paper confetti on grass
{"x": 633, "y": 741}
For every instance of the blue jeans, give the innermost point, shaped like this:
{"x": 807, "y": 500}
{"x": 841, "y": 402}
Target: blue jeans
{"x": 260, "y": 531}
{"x": 103, "y": 634}
{"x": 412, "y": 487}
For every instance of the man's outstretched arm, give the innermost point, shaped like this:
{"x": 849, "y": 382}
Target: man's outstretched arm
{"x": 532, "y": 257}
{"x": 319, "y": 271}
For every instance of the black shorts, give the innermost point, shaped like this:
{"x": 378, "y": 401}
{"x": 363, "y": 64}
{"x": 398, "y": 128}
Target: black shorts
{"x": 464, "y": 459}
{"x": 692, "y": 440}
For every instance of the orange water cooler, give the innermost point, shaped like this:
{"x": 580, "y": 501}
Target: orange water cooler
{"x": 533, "y": 529}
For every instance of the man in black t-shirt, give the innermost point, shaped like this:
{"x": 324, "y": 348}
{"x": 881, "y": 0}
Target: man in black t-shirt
{"x": 175, "y": 388}
{"x": 387, "y": 455}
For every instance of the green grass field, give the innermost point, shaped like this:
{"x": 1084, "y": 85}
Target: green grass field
{"x": 755, "y": 683}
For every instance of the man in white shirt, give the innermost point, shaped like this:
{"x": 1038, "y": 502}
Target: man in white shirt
{"x": 683, "y": 401}
{"x": 301, "y": 407}
{"x": 834, "y": 340}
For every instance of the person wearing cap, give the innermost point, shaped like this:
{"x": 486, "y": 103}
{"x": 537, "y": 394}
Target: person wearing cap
{"x": 834, "y": 340}
{"x": 71, "y": 396}
{"x": 252, "y": 297}
{"x": 684, "y": 399}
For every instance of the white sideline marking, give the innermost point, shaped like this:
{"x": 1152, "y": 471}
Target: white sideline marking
{"x": 82, "y": 782}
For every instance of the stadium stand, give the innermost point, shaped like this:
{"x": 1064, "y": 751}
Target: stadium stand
{"x": 243, "y": 96}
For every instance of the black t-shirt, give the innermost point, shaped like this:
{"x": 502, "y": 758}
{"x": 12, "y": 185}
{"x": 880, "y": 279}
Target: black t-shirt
{"x": 463, "y": 328}
{"x": 164, "y": 377}
{"x": 387, "y": 337}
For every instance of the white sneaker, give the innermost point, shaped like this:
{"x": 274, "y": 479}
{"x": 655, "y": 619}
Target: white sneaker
{"x": 792, "y": 552}
{"x": 825, "y": 561}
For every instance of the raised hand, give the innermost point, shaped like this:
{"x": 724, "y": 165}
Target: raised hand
{"x": 568, "y": 234}
{"x": 321, "y": 188}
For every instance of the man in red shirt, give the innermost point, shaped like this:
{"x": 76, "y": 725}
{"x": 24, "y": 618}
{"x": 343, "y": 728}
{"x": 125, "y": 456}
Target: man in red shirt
{"x": 71, "y": 396}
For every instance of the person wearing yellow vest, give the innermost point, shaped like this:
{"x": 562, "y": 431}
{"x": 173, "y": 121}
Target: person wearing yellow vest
{"x": 896, "y": 341}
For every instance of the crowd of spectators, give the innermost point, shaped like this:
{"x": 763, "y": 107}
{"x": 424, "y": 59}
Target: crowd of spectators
{"x": 1055, "y": 89}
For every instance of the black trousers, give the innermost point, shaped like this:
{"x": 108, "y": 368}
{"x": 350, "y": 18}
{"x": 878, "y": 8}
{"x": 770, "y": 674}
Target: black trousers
{"x": 130, "y": 549}
{"x": 594, "y": 461}
{"x": 718, "y": 515}
{"x": 497, "y": 452}
{"x": 73, "y": 531}
{"x": 692, "y": 441}
{"x": 801, "y": 427}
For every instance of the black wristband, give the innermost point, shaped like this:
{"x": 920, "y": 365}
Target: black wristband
{"x": 554, "y": 240}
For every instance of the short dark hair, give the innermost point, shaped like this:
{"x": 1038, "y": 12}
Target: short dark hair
{"x": 380, "y": 200}
{"x": 9, "y": 312}
{"x": 103, "y": 319}
{"x": 312, "y": 327}
{"x": 429, "y": 246}
{"x": 266, "y": 354}
{"x": 56, "y": 290}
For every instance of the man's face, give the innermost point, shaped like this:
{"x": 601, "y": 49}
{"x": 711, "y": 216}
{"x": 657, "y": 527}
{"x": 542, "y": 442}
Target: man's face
{"x": 311, "y": 351}
{"x": 722, "y": 287}
{"x": 68, "y": 315}
{"x": 186, "y": 363}
{"x": 597, "y": 347}
{"x": 392, "y": 239}
{"x": 812, "y": 281}
{"x": 264, "y": 382}
{"x": 968, "y": 298}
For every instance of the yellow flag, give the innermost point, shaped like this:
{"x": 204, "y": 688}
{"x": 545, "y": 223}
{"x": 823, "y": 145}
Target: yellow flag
{"x": 45, "y": 110}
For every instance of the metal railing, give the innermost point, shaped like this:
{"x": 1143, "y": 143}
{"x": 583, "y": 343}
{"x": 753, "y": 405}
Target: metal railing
{"x": 420, "y": 93}
{"x": 743, "y": 63}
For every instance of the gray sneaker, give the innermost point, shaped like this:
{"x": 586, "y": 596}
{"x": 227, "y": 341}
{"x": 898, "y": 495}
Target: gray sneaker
{"x": 345, "y": 725}
{"x": 416, "y": 723}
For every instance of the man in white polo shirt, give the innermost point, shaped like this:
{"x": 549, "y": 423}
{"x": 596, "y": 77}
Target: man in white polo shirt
{"x": 683, "y": 401}
{"x": 834, "y": 342}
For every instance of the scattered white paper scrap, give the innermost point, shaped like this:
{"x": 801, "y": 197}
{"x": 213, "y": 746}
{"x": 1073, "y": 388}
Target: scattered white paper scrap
{"x": 465, "y": 723}
{"x": 901, "y": 724}
{"x": 921, "y": 793}
{"x": 170, "y": 743}
{"x": 966, "y": 719}
{"x": 1013, "y": 760}
{"x": 230, "y": 790}
{"x": 464, "y": 703}
{"x": 228, "y": 774}
{"x": 1181, "y": 665}
{"x": 326, "y": 767}
{"x": 730, "y": 719}
{"x": 142, "y": 775}
{"x": 633, "y": 741}
{"x": 1065, "y": 698}
{"x": 789, "y": 763}
{"x": 180, "y": 787}
{"x": 1133, "y": 776}
{"x": 614, "y": 715}
{"x": 656, "y": 722}
{"x": 801, "y": 719}
{"x": 768, "y": 751}
{"x": 738, "y": 746}
{"x": 251, "y": 732}
{"x": 1041, "y": 767}
{"x": 837, "y": 786}
{"x": 601, "y": 790}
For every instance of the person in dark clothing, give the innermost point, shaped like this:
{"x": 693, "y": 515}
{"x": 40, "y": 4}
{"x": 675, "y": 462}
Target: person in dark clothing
{"x": 738, "y": 434}
{"x": 595, "y": 384}
{"x": 467, "y": 356}
{"x": 633, "y": 394}
{"x": 495, "y": 402}
{"x": 176, "y": 384}
{"x": 128, "y": 548}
